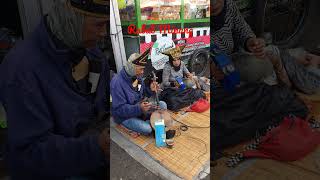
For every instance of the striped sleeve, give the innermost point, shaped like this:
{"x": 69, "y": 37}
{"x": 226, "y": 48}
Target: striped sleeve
{"x": 241, "y": 30}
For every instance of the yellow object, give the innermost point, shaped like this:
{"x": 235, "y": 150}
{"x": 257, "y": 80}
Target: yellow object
{"x": 174, "y": 52}
{"x": 122, "y": 4}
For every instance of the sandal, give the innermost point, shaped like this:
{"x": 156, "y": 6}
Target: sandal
{"x": 131, "y": 133}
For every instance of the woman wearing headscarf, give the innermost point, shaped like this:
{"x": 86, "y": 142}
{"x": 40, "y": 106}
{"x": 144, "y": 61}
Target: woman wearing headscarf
{"x": 54, "y": 87}
{"x": 129, "y": 92}
{"x": 174, "y": 68}
{"x": 232, "y": 34}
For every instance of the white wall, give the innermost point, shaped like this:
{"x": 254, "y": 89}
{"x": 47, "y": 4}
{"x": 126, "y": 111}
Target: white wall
{"x": 116, "y": 36}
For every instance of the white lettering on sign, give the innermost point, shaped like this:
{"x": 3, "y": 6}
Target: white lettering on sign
{"x": 157, "y": 58}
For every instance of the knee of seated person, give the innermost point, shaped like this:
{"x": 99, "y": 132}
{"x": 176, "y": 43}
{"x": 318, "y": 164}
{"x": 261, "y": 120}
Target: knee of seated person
{"x": 257, "y": 68}
{"x": 147, "y": 130}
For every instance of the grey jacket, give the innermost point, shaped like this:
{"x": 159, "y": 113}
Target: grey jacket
{"x": 169, "y": 74}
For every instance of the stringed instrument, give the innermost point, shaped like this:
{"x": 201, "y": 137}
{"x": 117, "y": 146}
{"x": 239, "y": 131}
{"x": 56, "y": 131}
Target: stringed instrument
{"x": 160, "y": 113}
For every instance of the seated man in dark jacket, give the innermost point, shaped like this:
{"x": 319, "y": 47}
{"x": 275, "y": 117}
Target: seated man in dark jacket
{"x": 51, "y": 95}
{"x": 129, "y": 92}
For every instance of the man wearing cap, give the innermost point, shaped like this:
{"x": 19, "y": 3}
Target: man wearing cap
{"x": 128, "y": 92}
{"x": 54, "y": 87}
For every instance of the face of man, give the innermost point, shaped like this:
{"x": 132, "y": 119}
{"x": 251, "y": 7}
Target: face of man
{"x": 94, "y": 30}
{"x": 217, "y": 7}
{"x": 139, "y": 70}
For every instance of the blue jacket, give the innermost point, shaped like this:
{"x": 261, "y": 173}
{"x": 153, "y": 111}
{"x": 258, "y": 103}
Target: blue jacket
{"x": 45, "y": 111}
{"x": 126, "y": 100}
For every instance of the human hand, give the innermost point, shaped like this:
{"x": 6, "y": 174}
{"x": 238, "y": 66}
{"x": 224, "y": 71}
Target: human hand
{"x": 256, "y": 46}
{"x": 177, "y": 85}
{"x": 154, "y": 86}
{"x": 189, "y": 75}
{"x": 145, "y": 106}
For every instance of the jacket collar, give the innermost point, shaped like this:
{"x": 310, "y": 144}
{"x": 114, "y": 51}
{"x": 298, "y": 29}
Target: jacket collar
{"x": 128, "y": 78}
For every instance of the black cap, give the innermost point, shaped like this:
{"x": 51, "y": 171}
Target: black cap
{"x": 142, "y": 59}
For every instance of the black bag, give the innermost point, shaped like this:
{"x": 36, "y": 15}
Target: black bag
{"x": 236, "y": 118}
{"x": 177, "y": 99}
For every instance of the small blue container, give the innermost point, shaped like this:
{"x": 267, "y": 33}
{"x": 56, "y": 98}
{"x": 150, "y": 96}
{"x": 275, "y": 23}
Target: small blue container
{"x": 181, "y": 83}
{"x": 160, "y": 133}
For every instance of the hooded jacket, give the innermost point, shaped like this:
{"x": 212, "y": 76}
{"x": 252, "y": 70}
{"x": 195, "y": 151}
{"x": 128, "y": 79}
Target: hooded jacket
{"x": 125, "y": 99}
{"x": 46, "y": 112}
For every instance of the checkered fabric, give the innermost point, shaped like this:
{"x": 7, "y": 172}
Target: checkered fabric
{"x": 237, "y": 158}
